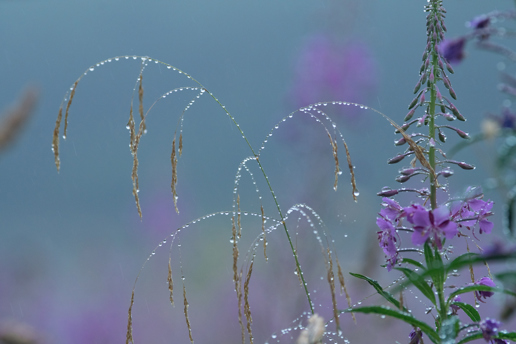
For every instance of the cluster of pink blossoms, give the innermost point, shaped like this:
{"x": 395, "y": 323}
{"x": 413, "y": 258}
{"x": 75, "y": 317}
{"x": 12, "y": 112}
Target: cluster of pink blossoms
{"x": 430, "y": 224}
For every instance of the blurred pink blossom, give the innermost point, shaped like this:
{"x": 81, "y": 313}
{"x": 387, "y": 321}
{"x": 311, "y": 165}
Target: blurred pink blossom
{"x": 328, "y": 70}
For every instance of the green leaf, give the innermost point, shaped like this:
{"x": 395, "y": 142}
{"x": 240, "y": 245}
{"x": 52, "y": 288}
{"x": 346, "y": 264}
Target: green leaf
{"x": 419, "y": 282}
{"x": 462, "y": 260}
{"x": 449, "y": 330}
{"x": 386, "y": 295}
{"x": 476, "y": 335}
{"x": 429, "y": 257}
{"x": 470, "y": 311}
{"x": 435, "y": 266}
{"x": 506, "y": 335}
{"x": 406, "y": 317}
{"x": 413, "y": 262}
{"x": 506, "y": 276}
{"x": 478, "y": 287}
{"x": 459, "y": 262}
{"x": 475, "y": 258}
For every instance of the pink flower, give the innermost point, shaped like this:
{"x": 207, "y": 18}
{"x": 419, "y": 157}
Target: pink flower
{"x": 430, "y": 224}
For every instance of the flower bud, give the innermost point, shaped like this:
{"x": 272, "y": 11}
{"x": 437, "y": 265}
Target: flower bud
{"x": 387, "y": 192}
{"x": 400, "y": 142}
{"x": 403, "y": 179}
{"x": 410, "y": 114}
{"x": 449, "y": 67}
{"x": 418, "y": 86}
{"x": 396, "y": 159}
{"x": 446, "y": 82}
{"x": 456, "y": 113}
{"x": 415, "y": 100}
{"x": 465, "y": 166}
{"x": 448, "y": 116}
{"x": 446, "y": 173}
{"x": 438, "y": 94}
{"x": 422, "y": 99}
{"x": 452, "y": 93}
{"x": 442, "y": 137}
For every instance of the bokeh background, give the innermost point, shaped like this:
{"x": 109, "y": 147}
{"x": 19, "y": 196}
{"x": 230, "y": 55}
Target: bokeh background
{"x": 72, "y": 244}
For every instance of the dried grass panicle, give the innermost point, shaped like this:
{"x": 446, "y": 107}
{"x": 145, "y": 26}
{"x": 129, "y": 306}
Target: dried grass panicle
{"x": 343, "y": 287}
{"x": 136, "y": 187}
{"x": 140, "y": 100}
{"x": 351, "y": 172}
{"x": 331, "y": 282}
{"x": 132, "y": 130}
{"x": 72, "y": 94}
{"x": 17, "y": 116}
{"x": 264, "y": 236}
{"x": 247, "y": 308}
{"x": 55, "y": 138}
{"x": 334, "y": 148}
{"x": 180, "y": 148}
{"x": 186, "y": 314}
{"x": 173, "y": 184}
{"x": 170, "y": 283}
{"x": 129, "y": 334}
{"x": 237, "y": 277}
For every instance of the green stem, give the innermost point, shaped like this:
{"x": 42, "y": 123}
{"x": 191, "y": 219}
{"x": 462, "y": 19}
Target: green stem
{"x": 431, "y": 129}
{"x": 431, "y": 157}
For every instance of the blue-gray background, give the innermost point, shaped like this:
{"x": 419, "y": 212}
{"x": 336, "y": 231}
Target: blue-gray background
{"x": 71, "y": 243}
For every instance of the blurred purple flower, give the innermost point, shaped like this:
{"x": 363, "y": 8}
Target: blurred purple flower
{"x": 415, "y": 337}
{"x": 455, "y": 308}
{"x": 327, "y": 70}
{"x": 391, "y": 211}
{"x": 472, "y": 211}
{"x": 499, "y": 247}
{"x": 453, "y": 49}
{"x": 508, "y": 119}
{"x": 482, "y": 209}
{"x": 479, "y": 22}
{"x": 489, "y": 328}
{"x": 484, "y": 294}
{"x": 431, "y": 224}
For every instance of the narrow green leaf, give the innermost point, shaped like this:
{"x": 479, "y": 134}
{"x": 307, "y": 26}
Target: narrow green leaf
{"x": 478, "y": 287}
{"x": 476, "y": 335}
{"x": 462, "y": 260}
{"x": 414, "y": 262}
{"x": 475, "y": 258}
{"x": 429, "y": 257}
{"x": 506, "y": 335}
{"x": 438, "y": 265}
{"x": 386, "y": 295}
{"x": 459, "y": 262}
{"x": 406, "y": 317}
{"x": 506, "y": 276}
{"x": 470, "y": 311}
{"x": 420, "y": 283}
